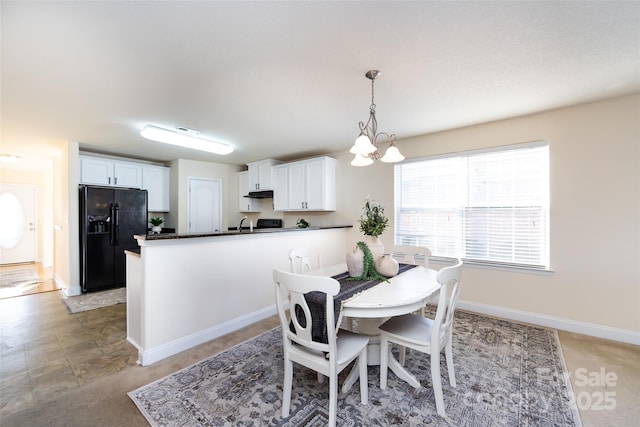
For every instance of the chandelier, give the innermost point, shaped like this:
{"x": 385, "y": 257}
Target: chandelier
{"x": 366, "y": 146}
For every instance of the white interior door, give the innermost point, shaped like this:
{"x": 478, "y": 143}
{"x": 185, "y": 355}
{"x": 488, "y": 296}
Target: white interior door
{"x": 205, "y": 205}
{"x": 17, "y": 223}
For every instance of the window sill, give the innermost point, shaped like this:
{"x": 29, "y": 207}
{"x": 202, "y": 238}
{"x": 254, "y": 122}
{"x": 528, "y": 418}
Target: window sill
{"x": 494, "y": 266}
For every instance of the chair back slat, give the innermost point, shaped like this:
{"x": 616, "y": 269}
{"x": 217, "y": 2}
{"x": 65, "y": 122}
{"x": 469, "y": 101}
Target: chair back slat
{"x": 292, "y": 287}
{"x": 303, "y": 260}
{"x": 449, "y": 279}
{"x": 406, "y": 254}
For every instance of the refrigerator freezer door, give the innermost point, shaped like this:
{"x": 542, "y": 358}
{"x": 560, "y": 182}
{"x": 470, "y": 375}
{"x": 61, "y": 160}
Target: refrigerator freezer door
{"x": 96, "y": 270}
{"x": 130, "y": 219}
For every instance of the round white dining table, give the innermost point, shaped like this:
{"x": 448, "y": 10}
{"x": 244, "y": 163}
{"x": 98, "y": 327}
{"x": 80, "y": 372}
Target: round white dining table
{"x": 402, "y": 294}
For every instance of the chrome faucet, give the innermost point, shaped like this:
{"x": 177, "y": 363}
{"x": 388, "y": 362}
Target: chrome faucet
{"x": 240, "y": 226}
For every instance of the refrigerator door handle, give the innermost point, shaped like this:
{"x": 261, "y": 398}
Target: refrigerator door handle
{"x": 112, "y": 228}
{"x": 116, "y": 224}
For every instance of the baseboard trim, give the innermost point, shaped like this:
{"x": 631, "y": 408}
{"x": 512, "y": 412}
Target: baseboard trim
{"x": 599, "y": 331}
{"x": 147, "y": 357}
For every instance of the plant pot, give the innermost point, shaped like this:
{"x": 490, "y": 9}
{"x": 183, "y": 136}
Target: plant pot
{"x": 387, "y": 265}
{"x": 355, "y": 262}
{"x": 157, "y": 229}
{"x": 375, "y": 246}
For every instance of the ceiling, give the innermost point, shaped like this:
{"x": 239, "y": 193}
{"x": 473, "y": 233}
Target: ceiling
{"x": 286, "y": 79}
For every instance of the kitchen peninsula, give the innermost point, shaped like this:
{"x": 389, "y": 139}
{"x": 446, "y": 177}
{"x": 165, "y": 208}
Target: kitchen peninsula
{"x": 186, "y": 289}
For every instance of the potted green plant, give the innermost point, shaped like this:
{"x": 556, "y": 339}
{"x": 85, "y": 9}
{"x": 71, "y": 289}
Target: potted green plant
{"x": 156, "y": 222}
{"x": 373, "y": 222}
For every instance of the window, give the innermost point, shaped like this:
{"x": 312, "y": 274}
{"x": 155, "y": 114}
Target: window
{"x": 489, "y": 206}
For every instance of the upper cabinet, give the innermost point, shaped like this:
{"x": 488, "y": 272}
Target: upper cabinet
{"x": 120, "y": 173}
{"x": 115, "y": 173}
{"x": 307, "y": 185}
{"x": 246, "y": 204}
{"x": 156, "y": 180}
{"x": 281, "y": 187}
{"x": 260, "y": 174}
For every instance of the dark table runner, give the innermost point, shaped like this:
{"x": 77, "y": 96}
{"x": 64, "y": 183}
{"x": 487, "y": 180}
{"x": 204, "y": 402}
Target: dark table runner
{"x": 348, "y": 288}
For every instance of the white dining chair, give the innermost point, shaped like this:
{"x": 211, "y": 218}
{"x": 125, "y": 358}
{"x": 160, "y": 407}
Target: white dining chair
{"x": 304, "y": 260}
{"x": 301, "y": 347}
{"x": 429, "y": 336}
{"x": 407, "y": 254}
{"x": 416, "y": 255}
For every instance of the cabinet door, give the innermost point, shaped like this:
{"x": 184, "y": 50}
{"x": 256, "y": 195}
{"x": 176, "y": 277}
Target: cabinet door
{"x": 156, "y": 180}
{"x": 127, "y": 175}
{"x": 281, "y": 188}
{"x": 297, "y": 197}
{"x": 260, "y": 174}
{"x": 245, "y": 204}
{"x": 314, "y": 184}
{"x": 96, "y": 171}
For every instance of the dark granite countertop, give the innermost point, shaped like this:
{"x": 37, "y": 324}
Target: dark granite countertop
{"x": 170, "y": 236}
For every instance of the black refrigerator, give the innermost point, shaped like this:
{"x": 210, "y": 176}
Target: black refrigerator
{"x": 109, "y": 217}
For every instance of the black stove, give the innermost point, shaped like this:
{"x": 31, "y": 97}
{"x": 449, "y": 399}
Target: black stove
{"x": 269, "y": 223}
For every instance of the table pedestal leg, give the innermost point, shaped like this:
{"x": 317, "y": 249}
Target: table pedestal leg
{"x": 370, "y": 327}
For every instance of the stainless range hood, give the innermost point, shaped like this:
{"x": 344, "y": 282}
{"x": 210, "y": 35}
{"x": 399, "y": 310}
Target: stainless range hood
{"x": 262, "y": 194}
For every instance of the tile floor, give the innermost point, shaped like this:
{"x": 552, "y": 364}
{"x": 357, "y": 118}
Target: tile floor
{"x": 44, "y": 350}
{"x": 81, "y": 363}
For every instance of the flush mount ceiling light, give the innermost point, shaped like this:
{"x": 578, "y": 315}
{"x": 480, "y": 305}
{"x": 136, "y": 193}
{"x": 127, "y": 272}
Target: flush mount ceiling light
{"x": 184, "y": 137}
{"x": 10, "y": 158}
{"x": 365, "y": 147}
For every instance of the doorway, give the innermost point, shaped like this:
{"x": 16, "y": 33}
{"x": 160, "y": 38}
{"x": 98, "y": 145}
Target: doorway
{"x": 204, "y": 207}
{"x": 17, "y": 223}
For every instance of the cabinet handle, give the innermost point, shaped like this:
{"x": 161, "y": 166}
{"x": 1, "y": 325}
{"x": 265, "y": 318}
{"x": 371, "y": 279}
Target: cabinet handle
{"x": 109, "y": 180}
{"x": 115, "y": 180}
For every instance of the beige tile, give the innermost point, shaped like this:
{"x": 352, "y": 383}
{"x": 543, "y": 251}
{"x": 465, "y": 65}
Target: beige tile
{"x": 52, "y": 383}
{"x": 13, "y": 363}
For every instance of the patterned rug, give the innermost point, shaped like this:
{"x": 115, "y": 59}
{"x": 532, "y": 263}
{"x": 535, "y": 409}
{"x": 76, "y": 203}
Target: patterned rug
{"x": 508, "y": 374}
{"x": 21, "y": 277}
{"x": 93, "y": 300}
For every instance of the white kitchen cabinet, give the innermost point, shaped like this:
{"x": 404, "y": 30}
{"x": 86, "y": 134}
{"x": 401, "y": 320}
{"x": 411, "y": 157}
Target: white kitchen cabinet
{"x": 260, "y": 174}
{"x": 281, "y": 187}
{"x": 246, "y": 204}
{"x": 156, "y": 180}
{"x": 114, "y": 173}
{"x": 312, "y": 185}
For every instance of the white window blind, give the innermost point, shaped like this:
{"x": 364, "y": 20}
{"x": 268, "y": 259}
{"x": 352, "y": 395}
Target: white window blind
{"x": 490, "y": 206}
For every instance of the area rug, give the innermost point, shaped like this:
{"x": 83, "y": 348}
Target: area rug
{"x": 21, "y": 277}
{"x": 93, "y": 300}
{"x": 508, "y": 374}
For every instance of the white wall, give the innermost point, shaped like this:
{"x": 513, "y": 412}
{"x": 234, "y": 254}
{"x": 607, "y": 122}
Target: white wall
{"x": 183, "y": 169}
{"x": 595, "y": 210}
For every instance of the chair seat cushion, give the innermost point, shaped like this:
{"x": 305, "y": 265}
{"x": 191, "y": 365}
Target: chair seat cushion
{"x": 349, "y": 344}
{"x": 410, "y": 328}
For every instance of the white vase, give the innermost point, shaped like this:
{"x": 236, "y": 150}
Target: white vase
{"x": 355, "y": 262}
{"x": 375, "y": 246}
{"x": 387, "y": 265}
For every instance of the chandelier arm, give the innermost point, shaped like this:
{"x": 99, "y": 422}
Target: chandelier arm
{"x": 390, "y": 138}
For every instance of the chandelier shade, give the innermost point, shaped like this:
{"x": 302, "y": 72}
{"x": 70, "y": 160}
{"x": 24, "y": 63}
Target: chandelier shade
{"x": 365, "y": 147}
